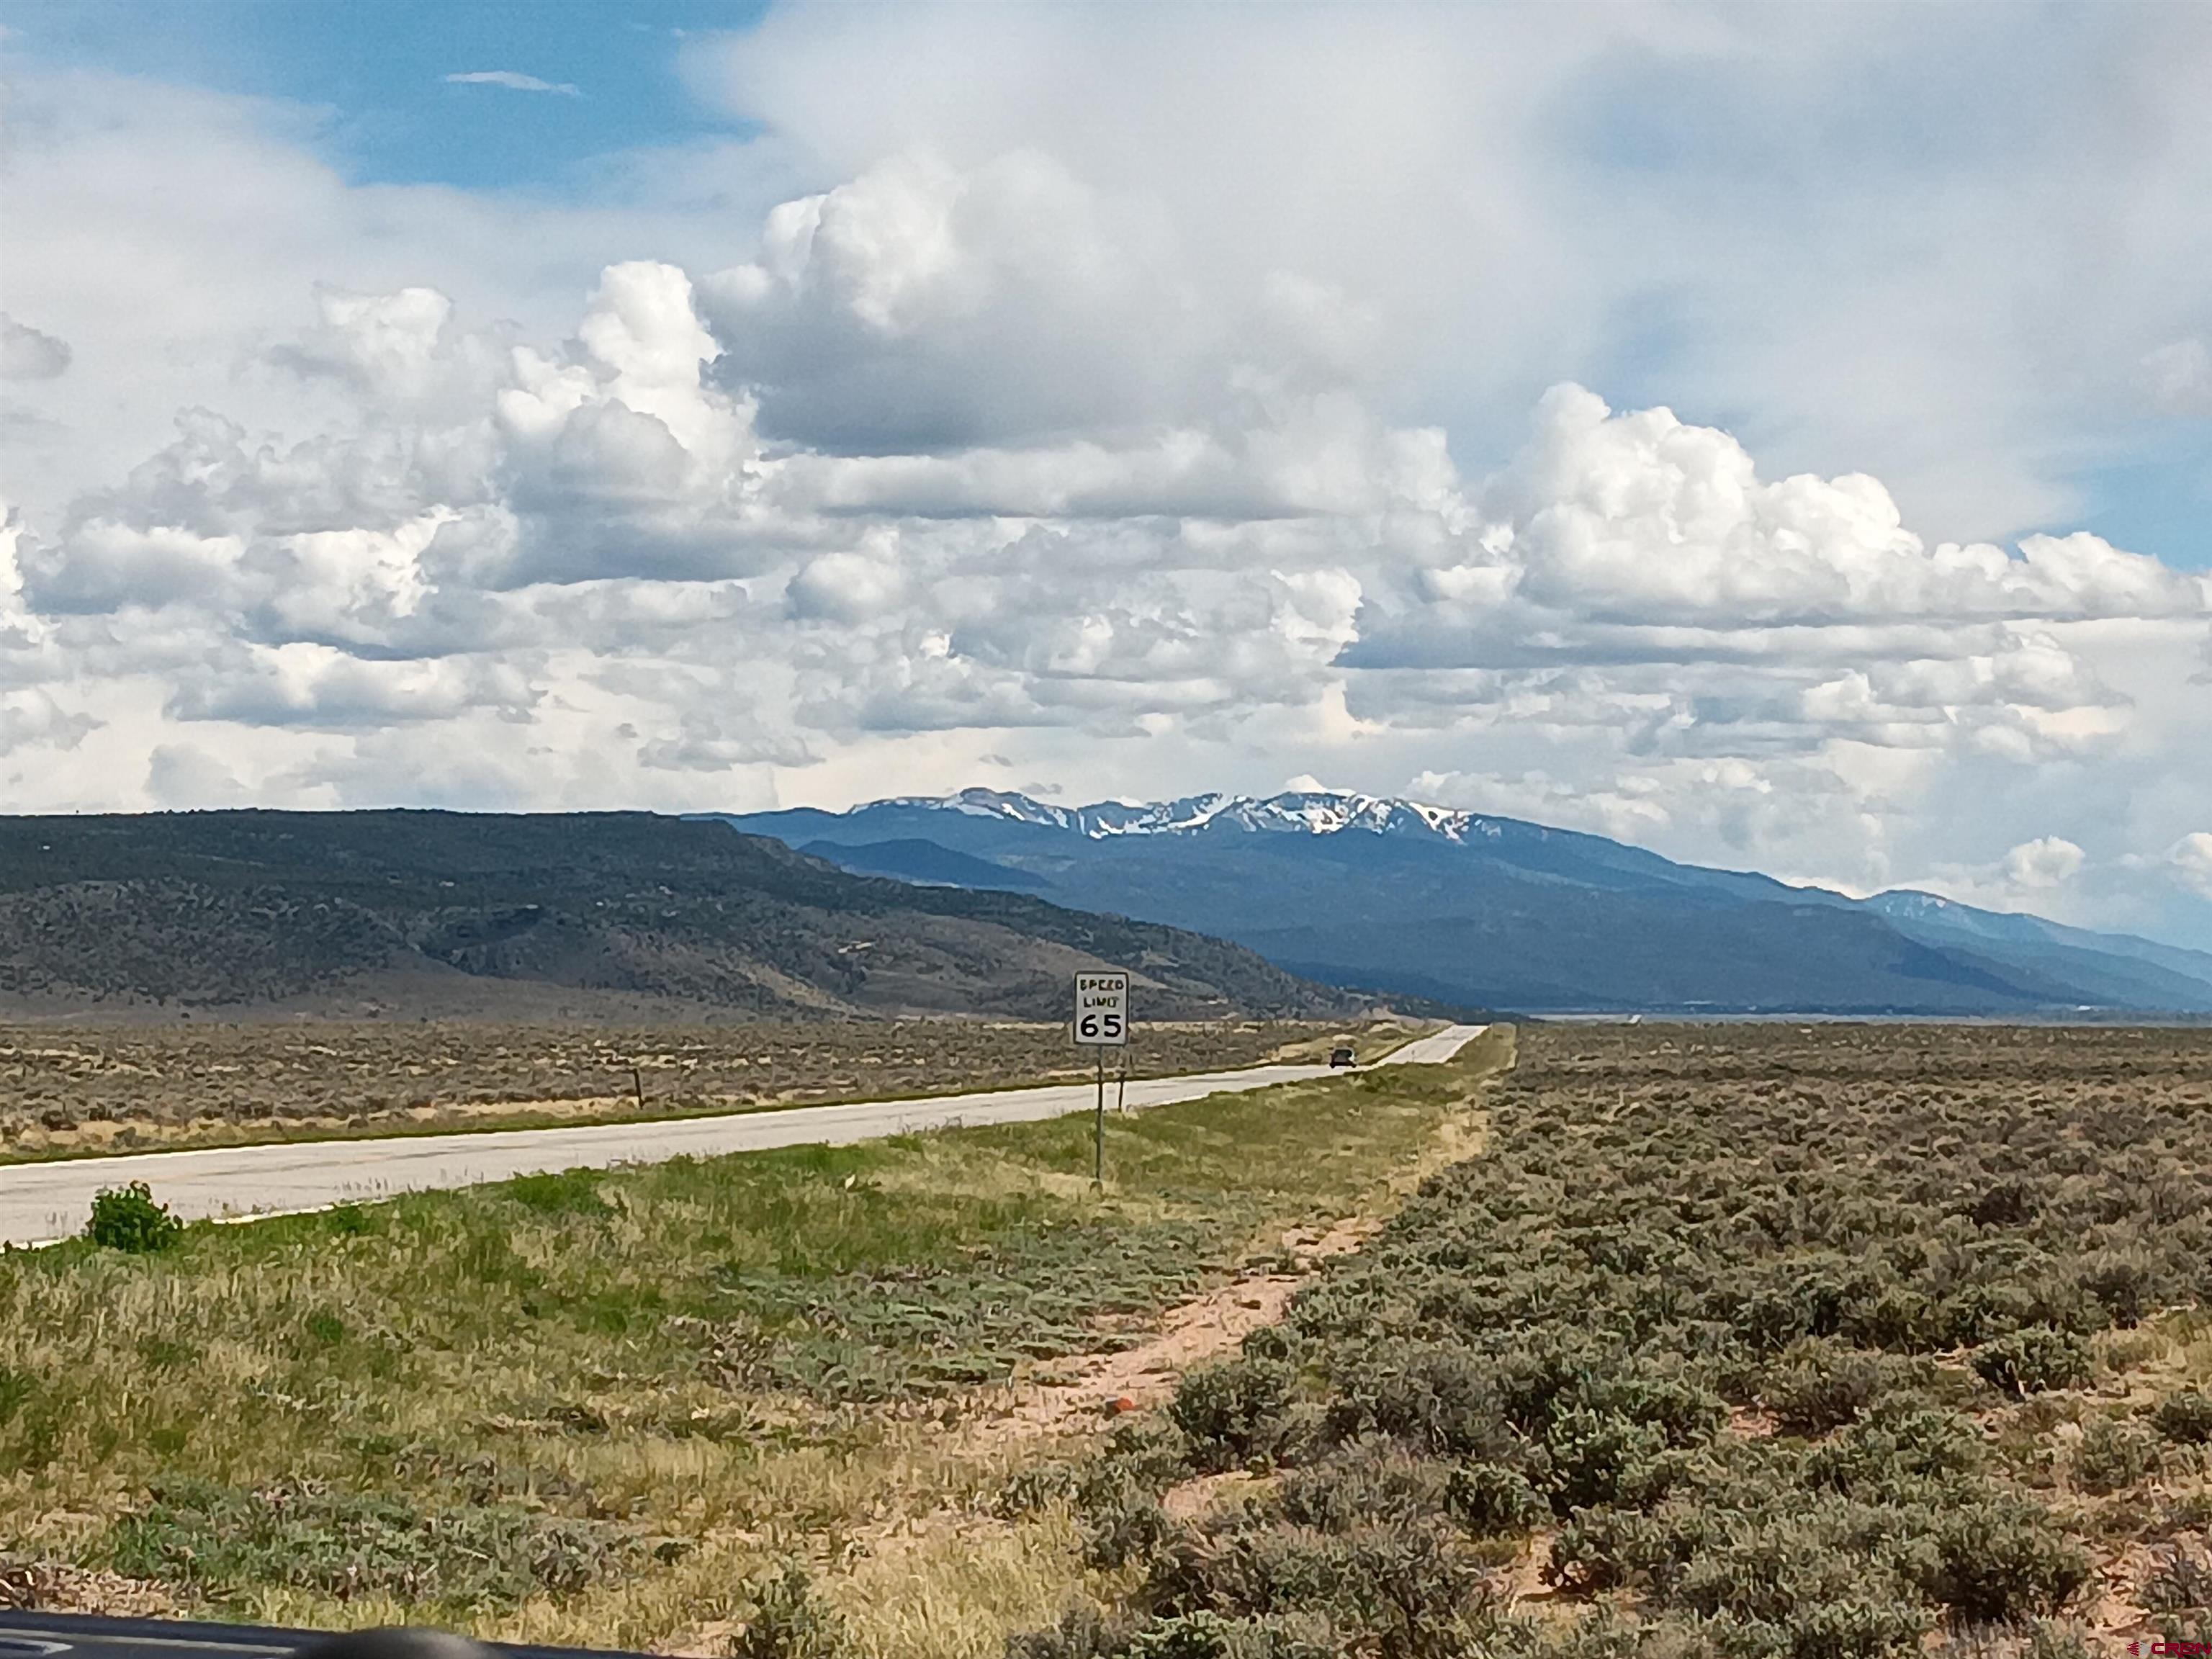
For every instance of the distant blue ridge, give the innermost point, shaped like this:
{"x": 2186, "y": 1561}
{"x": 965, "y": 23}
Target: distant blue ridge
{"x": 1499, "y": 913}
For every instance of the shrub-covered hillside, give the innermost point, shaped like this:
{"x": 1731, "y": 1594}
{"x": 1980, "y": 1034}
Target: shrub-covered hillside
{"x": 1754, "y": 1340}
{"x": 551, "y": 915}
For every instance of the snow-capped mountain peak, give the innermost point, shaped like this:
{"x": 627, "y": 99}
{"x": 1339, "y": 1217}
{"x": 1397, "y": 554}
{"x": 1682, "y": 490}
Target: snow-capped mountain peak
{"x": 1315, "y": 813}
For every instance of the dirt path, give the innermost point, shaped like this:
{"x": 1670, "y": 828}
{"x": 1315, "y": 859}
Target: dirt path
{"x": 1086, "y": 1389}
{"x": 1081, "y": 1392}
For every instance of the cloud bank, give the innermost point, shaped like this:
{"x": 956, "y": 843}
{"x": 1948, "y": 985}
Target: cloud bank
{"x": 928, "y": 442}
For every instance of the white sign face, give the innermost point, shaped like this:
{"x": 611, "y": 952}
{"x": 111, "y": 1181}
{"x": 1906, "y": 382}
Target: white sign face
{"x": 1101, "y": 1009}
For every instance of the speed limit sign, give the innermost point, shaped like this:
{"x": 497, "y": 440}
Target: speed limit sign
{"x": 1101, "y": 1009}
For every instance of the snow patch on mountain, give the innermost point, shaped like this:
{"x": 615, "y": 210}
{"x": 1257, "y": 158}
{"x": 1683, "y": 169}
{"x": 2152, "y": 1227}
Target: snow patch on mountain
{"x": 1306, "y": 811}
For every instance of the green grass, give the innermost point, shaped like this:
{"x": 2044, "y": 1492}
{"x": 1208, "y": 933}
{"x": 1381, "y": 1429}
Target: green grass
{"x": 591, "y": 1406}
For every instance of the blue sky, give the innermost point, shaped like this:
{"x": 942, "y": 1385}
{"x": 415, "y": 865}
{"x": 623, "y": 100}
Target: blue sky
{"x": 379, "y": 67}
{"x": 822, "y": 402}
{"x": 2158, "y": 500}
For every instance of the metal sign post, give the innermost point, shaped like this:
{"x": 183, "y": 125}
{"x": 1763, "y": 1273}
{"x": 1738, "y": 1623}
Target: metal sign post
{"x": 1102, "y": 1021}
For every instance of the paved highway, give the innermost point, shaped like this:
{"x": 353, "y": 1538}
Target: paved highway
{"x": 42, "y": 1202}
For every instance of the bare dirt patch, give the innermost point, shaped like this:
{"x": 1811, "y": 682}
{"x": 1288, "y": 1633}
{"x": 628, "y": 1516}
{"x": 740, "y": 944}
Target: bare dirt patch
{"x": 1192, "y": 1498}
{"x": 2116, "y": 1612}
{"x": 1089, "y": 1388}
{"x": 1523, "y": 1580}
{"x": 42, "y": 1586}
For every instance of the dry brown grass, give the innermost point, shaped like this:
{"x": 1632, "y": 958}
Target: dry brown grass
{"x": 66, "y": 1091}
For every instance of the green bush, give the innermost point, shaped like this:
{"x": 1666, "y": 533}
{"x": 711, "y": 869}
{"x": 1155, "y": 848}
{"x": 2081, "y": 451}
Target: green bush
{"x": 1191, "y": 1635}
{"x": 1437, "y": 1395}
{"x": 2184, "y": 1418}
{"x": 1767, "y": 1568}
{"x": 1491, "y": 1501}
{"x": 1150, "y": 1449}
{"x": 2112, "y": 1455}
{"x": 127, "y": 1218}
{"x": 1210, "y": 1636}
{"x": 1369, "y": 1481}
{"x": 1122, "y": 1518}
{"x": 1083, "y": 1633}
{"x": 2047, "y": 1639}
{"x": 1979, "y": 1313}
{"x": 15, "y": 1389}
{"x": 2006, "y": 1203}
{"x": 1851, "y": 1627}
{"x": 1233, "y": 1414}
{"x": 1897, "y": 1318}
{"x": 789, "y": 1620}
{"x": 564, "y": 1192}
{"x": 2181, "y": 1582}
{"x": 2124, "y": 1284}
{"x": 1888, "y": 1455}
{"x": 2032, "y": 1361}
{"x": 219, "y": 1539}
{"x": 1599, "y": 1457}
{"x": 1816, "y": 1386}
{"x": 1397, "y": 1591}
{"x": 1602, "y": 1549}
{"x": 1686, "y": 1414}
{"x": 1036, "y": 1487}
{"x": 1796, "y": 1586}
{"x": 1996, "y": 1562}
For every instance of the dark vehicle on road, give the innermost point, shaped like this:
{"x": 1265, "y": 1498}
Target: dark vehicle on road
{"x": 1342, "y": 1055}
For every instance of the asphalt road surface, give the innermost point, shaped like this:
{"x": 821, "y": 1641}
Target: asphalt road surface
{"x": 42, "y": 1202}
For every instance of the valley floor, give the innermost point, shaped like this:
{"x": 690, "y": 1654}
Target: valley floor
{"x": 73, "y": 1090}
{"x": 625, "y": 1408}
{"x": 1758, "y": 1340}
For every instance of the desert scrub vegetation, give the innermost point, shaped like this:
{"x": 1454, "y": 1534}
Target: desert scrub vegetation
{"x": 67, "y": 1089}
{"x": 127, "y": 1217}
{"x": 700, "y": 1403}
{"x": 1825, "y": 1342}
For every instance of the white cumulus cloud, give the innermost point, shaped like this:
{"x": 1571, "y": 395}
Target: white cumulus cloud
{"x": 513, "y": 80}
{"x": 2046, "y": 861}
{"x": 2191, "y": 861}
{"x": 28, "y": 353}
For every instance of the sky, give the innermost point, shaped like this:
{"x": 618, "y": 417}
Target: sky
{"x": 1780, "y": 436}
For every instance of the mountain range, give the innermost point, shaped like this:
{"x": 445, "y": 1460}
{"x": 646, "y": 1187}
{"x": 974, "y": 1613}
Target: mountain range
{"x": 1474, "y": 909}
{"x": 613, "y": 914}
